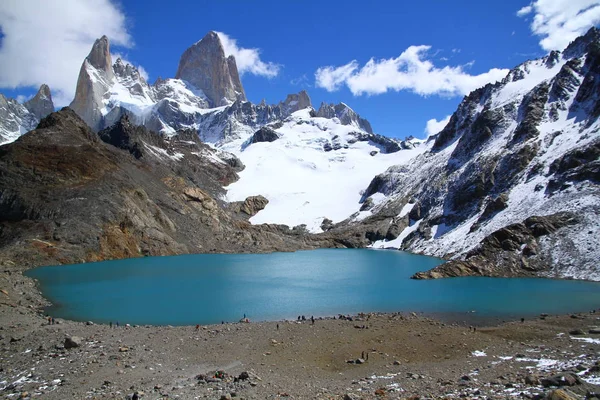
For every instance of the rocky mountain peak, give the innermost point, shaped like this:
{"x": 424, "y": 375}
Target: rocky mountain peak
{"x": 41, "y": 104}
{"x": 297, "y": 101}
{"x": 99, "y": 56}
{"x": 205, "y": 66}
{"x": 345, "y": 114}
{"x": 95, "y": 78}
{"x": 581, "y": 45}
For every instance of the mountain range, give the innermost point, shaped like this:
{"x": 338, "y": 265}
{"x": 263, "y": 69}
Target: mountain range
{"x": 508, "y": 188}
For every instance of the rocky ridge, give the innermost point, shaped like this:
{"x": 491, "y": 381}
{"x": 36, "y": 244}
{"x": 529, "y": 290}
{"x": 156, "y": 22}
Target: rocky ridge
{"x": 70, "y": 195}
{"x": 515, "y": 152}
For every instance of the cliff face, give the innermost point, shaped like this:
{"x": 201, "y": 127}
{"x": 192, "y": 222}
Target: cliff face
{"x": 95, "y": 78}
{"x": 205, "y": 66}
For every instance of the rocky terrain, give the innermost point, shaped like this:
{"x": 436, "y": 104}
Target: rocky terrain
{"x": 70, "y": 195}
{"x": 510, "y": 186}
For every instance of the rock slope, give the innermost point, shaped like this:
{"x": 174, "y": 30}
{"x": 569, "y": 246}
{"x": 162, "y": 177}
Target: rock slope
{"x": 71, "y": 195}
{"x": 510, "y": 185}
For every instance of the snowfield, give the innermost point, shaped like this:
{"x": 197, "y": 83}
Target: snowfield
{"x": 304, "y": 183}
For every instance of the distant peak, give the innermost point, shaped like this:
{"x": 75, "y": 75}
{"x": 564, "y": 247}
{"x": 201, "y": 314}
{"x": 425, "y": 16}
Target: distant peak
{"x": 44, "y": 91}
{"x": 41, "y": 104}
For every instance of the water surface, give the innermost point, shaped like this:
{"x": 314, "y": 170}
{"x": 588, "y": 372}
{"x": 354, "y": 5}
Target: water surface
{"x": 210, "y": 288}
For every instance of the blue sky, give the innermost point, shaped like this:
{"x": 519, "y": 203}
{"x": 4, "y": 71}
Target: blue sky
{"x": 469, "y": 38}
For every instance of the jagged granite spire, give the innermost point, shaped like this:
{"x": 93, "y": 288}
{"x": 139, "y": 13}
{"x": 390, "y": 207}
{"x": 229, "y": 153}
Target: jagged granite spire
{"x": 100, "y": 58}
{"x": 41, "y": 104}
{"x": 95, "y": 77}
{"x": 205, "y": 66}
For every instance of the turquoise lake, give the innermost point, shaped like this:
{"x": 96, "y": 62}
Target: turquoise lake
{"x": 210, "y": 288}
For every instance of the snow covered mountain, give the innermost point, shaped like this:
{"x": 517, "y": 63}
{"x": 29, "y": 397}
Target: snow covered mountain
{"x": 315, "y": 151}
{"x": 312, "y": 168}
{"x": 17, "y": 118}
{"x": 510, "y": 185}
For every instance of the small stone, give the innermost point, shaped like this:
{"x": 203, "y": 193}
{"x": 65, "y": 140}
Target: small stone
{"x": 244, "y": 376}
{"x": 396, "y": 362}
{"x": 532, "y": 380}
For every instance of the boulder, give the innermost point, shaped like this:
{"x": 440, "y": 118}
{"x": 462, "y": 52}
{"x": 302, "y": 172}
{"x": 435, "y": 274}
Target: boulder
{"x": 72, "y": 342}
{"x": 559, "y": 394}
{"x": 562, "y": 379}
{"x": 253, "y": 204}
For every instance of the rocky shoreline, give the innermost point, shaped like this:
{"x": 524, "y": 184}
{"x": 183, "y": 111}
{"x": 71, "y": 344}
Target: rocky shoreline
{"x": 394, "y": 355}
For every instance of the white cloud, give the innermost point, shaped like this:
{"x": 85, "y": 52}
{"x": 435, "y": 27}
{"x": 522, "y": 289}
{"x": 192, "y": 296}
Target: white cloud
{"x": 331, "y": 79}
{"x": 302, "y": 80}
{"x": 22, "y": 98}
{"x": 434, "y": 126}
{"x": 524, "y": 11}
{"x": 558, "y": 22}
{"x": 46, "y": 41}
{"x": 410, "y": 71}
{"x": 141, "y": 70}
{"x": 248, "y": 60}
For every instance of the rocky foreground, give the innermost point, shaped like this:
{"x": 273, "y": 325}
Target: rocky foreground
{"x": 368, "y": 356}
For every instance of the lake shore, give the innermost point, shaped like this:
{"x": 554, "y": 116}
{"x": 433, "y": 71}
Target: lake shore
{"x": 408, "y": 355}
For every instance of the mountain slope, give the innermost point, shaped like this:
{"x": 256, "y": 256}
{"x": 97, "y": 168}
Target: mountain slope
{"x": 311, "y": 168}
{"x": 527, "y": 146}
{"x": 70, "y": 195}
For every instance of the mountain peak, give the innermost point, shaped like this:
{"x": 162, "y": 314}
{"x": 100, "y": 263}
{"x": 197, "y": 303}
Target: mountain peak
{"x": 297, "y": 101}
{"x": 99, "y": 56}
{"x": 205, "y": 66}
{"x": 41, "y": 104}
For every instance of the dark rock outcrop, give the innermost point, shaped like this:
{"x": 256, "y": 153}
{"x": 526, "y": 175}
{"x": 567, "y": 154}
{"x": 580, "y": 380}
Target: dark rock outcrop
{"x": 264, "y": 134}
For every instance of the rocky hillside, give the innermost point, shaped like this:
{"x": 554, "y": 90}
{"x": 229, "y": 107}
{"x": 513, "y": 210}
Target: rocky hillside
{"x": 71, "y": 195}
{"x": 510, "y": 185}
